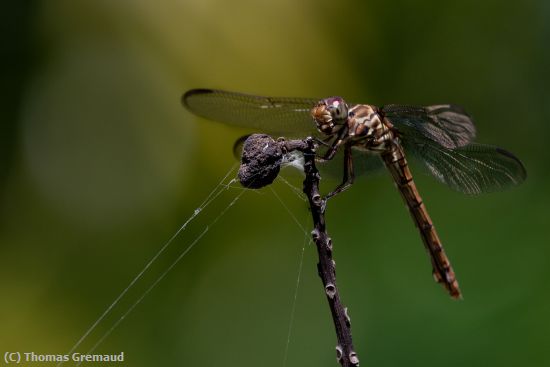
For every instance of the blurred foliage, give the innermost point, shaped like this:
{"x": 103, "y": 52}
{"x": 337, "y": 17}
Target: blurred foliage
{"x": 100, "y": 165}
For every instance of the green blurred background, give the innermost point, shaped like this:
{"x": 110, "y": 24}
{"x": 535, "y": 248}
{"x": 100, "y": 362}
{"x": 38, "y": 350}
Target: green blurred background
{"x": 100, "y": 165}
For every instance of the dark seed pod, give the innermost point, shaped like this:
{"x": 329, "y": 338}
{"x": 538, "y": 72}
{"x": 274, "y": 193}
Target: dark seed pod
{"x": 260, "y": 161}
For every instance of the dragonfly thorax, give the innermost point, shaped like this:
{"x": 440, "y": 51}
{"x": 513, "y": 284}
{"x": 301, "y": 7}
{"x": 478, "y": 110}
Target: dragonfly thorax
{"x": 366, "y": 124}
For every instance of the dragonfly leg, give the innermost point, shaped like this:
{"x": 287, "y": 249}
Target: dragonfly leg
{"x": 349, "y": 174}
{"x": 331, "y": 152}
{"x": 323, "y": 142}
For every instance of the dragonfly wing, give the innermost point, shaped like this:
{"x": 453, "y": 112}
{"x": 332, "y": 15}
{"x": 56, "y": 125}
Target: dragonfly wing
{"x": 287, "y": 116}
{"x": 472, "y": 169}
{"x": 448, "y": 125}
{"x": 364, "y": 162}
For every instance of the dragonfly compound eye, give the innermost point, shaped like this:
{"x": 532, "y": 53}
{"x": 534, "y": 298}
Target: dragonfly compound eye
{"x": 338, "y": 109}
{"x": 330, "y": 114}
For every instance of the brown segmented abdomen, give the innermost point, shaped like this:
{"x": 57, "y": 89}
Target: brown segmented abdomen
{"x": 395, "y": 161}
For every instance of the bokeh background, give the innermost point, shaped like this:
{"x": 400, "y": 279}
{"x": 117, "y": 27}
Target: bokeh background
{"x": 100, "y": 165}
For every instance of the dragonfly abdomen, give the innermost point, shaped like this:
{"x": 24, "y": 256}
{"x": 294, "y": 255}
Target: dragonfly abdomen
{"x": 395, "y": 161}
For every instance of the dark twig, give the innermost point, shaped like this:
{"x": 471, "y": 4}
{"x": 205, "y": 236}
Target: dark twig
{"x": 259, "y": 166}
{"x": 345, "y": 353}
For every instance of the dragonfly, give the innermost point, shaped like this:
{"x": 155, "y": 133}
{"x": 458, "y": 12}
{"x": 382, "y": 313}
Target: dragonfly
{"x": 441, "y": 137}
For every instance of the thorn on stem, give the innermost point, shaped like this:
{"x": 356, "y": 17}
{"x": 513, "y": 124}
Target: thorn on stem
{"x": 339, "y": 353}
{"x": 348, "y": 319}
{"x": 316, "y": 198}
{"x": 315, "y": 234}
{"x": 354, "y": 360}
{"x": 330, "y": 290}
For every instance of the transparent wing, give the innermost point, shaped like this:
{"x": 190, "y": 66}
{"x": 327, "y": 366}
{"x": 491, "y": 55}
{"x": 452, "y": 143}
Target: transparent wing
{"x": 448, "y": 125}
{"x": 472, "y": 169}
{"x": 287, "y": 116}
{"x": 364, "y": 163}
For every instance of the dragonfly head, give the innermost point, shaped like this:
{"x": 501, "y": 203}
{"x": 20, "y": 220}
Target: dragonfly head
{"x": 330, "y": 115}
